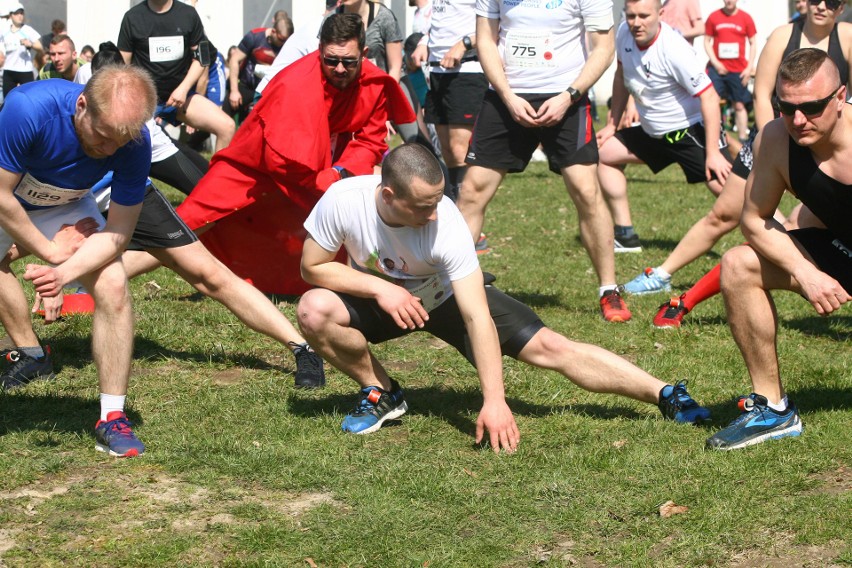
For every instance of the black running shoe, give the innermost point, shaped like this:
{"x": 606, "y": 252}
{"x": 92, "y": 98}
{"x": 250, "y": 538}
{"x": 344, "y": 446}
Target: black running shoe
{"x": 309, "y": 371}
{"x": 24, "y": 369}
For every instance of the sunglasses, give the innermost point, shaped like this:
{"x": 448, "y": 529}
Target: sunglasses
{"x": 810, "y": 108}
{"x": 830, "y": 4}
{"x": 347, "y": 62}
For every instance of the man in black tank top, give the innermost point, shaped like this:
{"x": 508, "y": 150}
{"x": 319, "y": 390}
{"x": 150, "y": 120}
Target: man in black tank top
{"x": 806, "y": 152}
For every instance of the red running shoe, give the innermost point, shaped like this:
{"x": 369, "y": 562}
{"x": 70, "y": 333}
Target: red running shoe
{"x": 613, "y": 307}
{"x": 670, "y": 314}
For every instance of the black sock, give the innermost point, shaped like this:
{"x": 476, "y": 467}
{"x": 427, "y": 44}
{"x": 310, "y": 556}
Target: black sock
{"x": 624, "y": 231}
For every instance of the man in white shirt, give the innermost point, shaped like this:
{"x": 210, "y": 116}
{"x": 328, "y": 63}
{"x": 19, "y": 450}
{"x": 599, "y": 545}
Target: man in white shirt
{"x": 675, "y": 99}
{"x": 413, "y": 267}
{"x": 536, "y": 62}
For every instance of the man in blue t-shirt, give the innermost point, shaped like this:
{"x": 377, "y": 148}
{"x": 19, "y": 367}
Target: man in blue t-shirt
{"x": 57, "y": 139}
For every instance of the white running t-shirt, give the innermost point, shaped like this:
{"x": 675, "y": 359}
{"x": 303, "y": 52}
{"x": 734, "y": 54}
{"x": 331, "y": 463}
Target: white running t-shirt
{"x": 665, "y": 79}
{"x": 425, "y": 260}
{"x": 542, "y": 42}
{"x": 451, "y": 20}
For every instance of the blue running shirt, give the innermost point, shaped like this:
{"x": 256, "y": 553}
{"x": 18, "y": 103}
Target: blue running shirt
{"x": 38, "y": 140}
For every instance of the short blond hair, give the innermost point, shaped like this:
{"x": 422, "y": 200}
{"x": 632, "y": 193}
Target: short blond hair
{"x": 122, "y": 90}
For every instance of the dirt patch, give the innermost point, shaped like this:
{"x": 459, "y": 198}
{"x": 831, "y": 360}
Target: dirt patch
{"x": 833, "y": 482}
{"x": 297, "y": 505}
{"x": 228, "y": 377}
{"x": 810, "y": 556}
{"x": 401, "y": 366}
{"x": 7, "y": 541}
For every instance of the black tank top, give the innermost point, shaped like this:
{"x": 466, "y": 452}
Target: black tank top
{"x": 830, "y": 200}
{"x": 835, "y": 52}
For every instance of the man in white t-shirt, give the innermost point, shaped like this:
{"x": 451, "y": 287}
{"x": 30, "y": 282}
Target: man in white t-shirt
{"x": 675, "y": 99}
{"x": 535, "y": 59}
{"x": 413, "y": 267}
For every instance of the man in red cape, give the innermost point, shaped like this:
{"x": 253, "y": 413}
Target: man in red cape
{"x": 321, "y": 119}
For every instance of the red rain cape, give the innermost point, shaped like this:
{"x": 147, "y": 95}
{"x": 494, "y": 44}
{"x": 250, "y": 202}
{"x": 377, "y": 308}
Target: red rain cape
{"x": 261, "y": 188}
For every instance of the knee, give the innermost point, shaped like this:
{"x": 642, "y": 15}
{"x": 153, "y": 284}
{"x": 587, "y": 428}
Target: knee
{"x": 547, "y": 349}
{"x": 722, "y": 221}
{"x": 110, "y": 289}
{"x": 739, "y": 265}
{"x": 315, "y": 311}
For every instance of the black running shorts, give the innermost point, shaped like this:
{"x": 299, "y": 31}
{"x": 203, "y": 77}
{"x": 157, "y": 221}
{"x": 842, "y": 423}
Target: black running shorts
{"x": 683, "y": 147}
{"x": 455, "y": 98}
{"x": 500, "y": 143}
{"x": 830, "y": 255}
{"x": 159, "y": 226}
{"x": 516, "y": 323}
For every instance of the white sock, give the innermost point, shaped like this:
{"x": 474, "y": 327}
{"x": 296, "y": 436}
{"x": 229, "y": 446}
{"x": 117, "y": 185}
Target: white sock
{"x": 606, "y": 288}
{"x": 662, "y": 273}
{"x": 111, "y": 403}
{"x": 780, "y": 407}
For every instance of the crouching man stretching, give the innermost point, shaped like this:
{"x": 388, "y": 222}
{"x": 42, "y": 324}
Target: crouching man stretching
{"x": 807, "y": 151}
{"x": 414, "y": 267}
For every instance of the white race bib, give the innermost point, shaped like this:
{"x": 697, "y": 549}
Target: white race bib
{"x": 529, "y": 49}
{"x": 166, "y": 48}
{"x": 40, "y": 194}
{"x": 729, "y": 51}
{"x": 431, "y": 293}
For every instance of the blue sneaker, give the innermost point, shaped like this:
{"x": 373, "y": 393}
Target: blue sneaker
{"x": 680, "y": 407}
{"x": 115, "y": 437}
{"x": 375, "y": 407}
{"x": 756, "y": 424}
{"x": 648, "y": 282}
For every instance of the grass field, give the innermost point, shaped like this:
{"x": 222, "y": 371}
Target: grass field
{"x": 243, "y": 470}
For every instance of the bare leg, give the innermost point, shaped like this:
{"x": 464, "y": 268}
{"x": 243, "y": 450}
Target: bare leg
{"x": 203, "y": 114}
{"x": 723, "y": 218}
{"x": 613, "y": 157}
{"x": 741, "y": 120}
{"x": 14, "y": 309}
{"x": 590, "y": 367}
{"x": 455, "y": 139}
{"x": 141, "y": 262}
{"x": 478, "y": 188}
{"x": 596, "y": 228}
{"x": 324, "y": 320}
{"x": 747, "y": 279}
{"x": 112, "y": 327}
{"x": 205, "y": 273}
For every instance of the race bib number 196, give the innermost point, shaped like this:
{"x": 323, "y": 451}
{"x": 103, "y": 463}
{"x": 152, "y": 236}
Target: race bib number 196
{"x": 166, "y": 48}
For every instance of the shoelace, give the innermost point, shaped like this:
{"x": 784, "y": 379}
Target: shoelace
{"x": 121, "y": 427}
{"x": 672, "y": 310}
{"x": 364, "y": 405}
{"x": 614, "y": 301}
{"x": 681, "y": 398}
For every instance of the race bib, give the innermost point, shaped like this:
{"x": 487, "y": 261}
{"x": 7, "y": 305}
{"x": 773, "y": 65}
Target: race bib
{"x": 40, "y": 194}
{"x": 529, "y": 49}
{"x": 729, "y": 51}
{"x": 166, "y": 48}
{"x": 431, "y": 293}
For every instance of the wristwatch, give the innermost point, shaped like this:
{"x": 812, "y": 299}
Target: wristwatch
{"x": 574, "y": 94}
{"x": 467, "y": 43}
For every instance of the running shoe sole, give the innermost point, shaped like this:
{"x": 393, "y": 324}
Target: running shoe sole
{"x": 391, "y": 415}
{"x": 792, "y": 430}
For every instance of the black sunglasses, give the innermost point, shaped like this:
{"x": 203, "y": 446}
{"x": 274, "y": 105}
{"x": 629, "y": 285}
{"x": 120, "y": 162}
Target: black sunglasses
{"x": 347, "y": 62}
{"x": 810, "y": 108}
{"x": 830, "y": 4}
